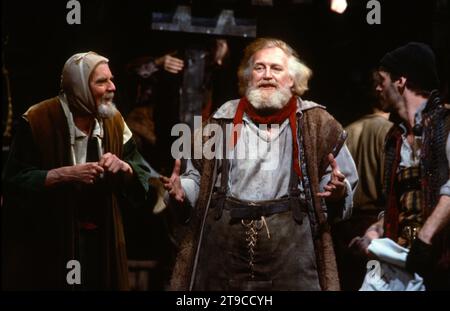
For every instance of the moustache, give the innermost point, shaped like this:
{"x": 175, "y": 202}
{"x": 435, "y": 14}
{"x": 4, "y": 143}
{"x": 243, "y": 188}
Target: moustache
{"x": 108, "y": 97}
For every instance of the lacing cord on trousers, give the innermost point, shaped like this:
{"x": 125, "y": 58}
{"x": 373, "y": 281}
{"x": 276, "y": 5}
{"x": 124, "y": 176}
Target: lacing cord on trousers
{"x": 253, "y": 226}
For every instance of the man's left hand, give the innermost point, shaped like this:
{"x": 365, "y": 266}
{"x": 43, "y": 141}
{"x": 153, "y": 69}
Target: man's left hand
{"x": 335, "y": 189}
{"x": 112, "y": 164}
{"x": 420, "y": 258}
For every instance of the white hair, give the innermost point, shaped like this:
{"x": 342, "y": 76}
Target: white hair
{"x": 298, "y": 71}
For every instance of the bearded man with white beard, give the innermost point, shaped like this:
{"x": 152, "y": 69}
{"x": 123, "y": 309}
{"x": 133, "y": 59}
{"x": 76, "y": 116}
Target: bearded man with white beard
{"x": 72, "y": 159}
{"x": 259, "y": 224}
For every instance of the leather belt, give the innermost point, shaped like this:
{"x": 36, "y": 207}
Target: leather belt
{"x": 255, "y": 209}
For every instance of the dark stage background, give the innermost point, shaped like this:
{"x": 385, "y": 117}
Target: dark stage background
{"x": 340, "y": 49}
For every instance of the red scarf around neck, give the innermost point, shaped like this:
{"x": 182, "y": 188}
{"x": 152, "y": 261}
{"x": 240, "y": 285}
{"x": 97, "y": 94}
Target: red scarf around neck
{"x": 288, "y": 111}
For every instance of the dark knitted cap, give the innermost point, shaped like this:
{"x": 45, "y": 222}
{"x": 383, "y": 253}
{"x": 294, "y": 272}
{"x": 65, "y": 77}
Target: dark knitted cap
{"x": 416, "y": 62}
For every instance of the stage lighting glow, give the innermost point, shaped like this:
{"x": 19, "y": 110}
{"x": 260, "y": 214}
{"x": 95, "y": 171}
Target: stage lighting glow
{"x": 338, "y": 6}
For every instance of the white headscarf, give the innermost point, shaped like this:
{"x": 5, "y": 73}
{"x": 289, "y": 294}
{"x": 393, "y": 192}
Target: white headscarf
{"x": 75, "y": 81}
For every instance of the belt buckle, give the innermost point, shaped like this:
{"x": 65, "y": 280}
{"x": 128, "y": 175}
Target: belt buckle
{"x": 410, "y": 233}
{"x": 254, "y": 212}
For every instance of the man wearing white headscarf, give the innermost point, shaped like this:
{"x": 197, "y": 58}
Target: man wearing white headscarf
{"x": 73, "y": 160}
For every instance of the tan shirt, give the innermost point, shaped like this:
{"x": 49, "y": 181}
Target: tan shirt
{"x": 366, "y": 144}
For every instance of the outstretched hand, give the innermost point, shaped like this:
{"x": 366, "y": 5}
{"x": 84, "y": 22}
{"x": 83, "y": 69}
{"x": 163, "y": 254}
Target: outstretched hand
{"x": 335, "y": 189}
{"x": 173, "y": 183}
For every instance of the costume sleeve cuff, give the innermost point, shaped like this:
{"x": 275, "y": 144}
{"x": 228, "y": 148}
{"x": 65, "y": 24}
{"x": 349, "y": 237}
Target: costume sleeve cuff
{"x": 191, "y": 190}
{"x": 445, "y": 189}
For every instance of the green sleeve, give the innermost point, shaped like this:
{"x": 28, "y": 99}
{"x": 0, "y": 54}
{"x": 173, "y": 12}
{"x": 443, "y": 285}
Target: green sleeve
{"x": 136, "y": 190}
{"x": 21, "y": 175}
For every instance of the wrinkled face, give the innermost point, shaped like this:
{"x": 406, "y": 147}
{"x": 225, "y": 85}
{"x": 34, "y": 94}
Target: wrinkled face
{"x": 101, "y": 85}
{"x": 270, "y": 71}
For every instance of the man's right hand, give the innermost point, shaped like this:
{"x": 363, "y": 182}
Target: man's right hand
{"x": 85, "y": 173}
{"x": 173, "y": 184}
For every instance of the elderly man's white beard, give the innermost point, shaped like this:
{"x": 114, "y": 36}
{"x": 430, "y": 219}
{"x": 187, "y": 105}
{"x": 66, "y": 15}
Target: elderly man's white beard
{"x": 269, "y": 101}
{"x": 107, "y": 109}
